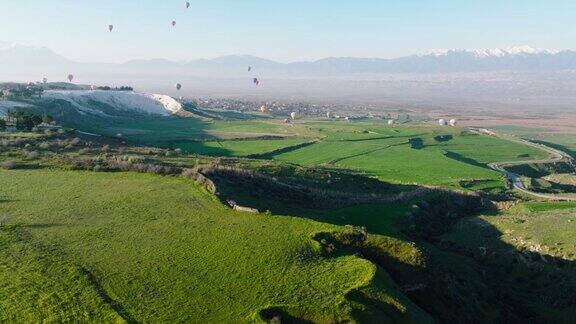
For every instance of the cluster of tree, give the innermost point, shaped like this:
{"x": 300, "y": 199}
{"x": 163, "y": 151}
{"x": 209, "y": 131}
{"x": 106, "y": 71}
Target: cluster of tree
{"x": 21, "y": 91}
{"x": 416, "y": 143}
{"x": 24, "y": 120}
{"x": 122, "y": 88}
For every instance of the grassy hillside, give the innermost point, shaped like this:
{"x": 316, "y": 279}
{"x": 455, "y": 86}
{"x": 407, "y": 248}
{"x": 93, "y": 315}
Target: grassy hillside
{"x": 565, "y": 142}
{"x": 148, "y": 248}
{"x": 142, "y": 247}
{"x": 551, "y": 226}
{"x": 527, "y": 254}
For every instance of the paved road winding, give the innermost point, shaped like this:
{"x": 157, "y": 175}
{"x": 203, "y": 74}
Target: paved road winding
{"x": 515, "y": 179}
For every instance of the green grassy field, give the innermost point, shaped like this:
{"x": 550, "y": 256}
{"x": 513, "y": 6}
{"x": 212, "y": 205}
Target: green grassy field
{"x": 385, "y": 153}
{"x": 151, "y": 249}
{"x": 372, "y": 146}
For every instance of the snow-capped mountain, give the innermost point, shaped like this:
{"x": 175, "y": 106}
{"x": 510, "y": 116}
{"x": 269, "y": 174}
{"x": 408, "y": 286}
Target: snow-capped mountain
{"x": 497, "y": 52}
{"x": 16, "y": 58}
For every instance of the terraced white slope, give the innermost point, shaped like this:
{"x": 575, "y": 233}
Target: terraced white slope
{"x": 84, "y": 100}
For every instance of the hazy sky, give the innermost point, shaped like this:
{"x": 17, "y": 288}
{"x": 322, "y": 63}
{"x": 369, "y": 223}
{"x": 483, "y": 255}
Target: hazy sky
{"x": 283, "y": 30}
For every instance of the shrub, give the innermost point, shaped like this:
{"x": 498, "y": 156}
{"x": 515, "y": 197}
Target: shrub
{"x": 45, "y": 145}
{"x": 32, "y": 155}
{"x": 75, "y": 141}
{"x": 9, "y": 165}
{"x": 306, "y": 254}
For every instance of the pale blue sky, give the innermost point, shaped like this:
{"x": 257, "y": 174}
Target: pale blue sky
{"x": 283, "y": 30}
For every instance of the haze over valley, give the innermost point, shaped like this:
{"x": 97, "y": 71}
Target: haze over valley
{"x": 521, "y": 78}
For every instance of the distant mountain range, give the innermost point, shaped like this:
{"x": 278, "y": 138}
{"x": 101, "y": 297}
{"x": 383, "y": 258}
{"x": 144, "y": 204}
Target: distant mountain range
{"x": 521, "y": 77}
{"x": 17, "y": 58}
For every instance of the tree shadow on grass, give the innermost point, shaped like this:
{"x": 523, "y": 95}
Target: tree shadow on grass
{"x": 461, "y": 158}
{"x": 106, "y": 298}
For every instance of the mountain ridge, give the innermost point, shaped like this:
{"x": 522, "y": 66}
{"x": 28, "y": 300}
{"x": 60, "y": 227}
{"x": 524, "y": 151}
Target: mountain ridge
{"x": 521, "y": 58}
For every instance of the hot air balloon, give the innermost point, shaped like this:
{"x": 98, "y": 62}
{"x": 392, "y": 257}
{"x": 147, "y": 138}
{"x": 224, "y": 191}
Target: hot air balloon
{"x": 442, "y": 122}
{"x": 173, "y": 23}
{"x": 256, "y": 81}
{"x": 45, "y": 80}
{"x": 70, "y": 77}
{"x": 110, "y": 27}
{"x": 453, "y": 122}
{"x": 178, "y": 86}
{"x": 293, "y": 115}
{"x": 187, "y": 4}
{"x": 249, "y": 68}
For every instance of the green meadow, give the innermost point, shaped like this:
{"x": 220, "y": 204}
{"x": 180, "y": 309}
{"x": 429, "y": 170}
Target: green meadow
{"x": 106, "y": 247}
{"x": 387, "y": 154}
{"x": 445, "y": 156}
